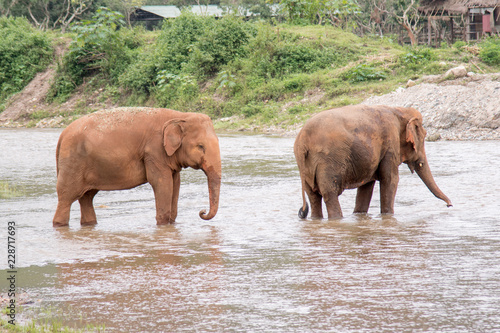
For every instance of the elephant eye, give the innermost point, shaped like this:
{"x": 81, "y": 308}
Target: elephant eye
{"x": 201, "y": 147}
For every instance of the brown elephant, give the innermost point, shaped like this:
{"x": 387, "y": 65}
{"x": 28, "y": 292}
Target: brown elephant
{"x": 125, "y": 147}
{"x": 354, "y": 146}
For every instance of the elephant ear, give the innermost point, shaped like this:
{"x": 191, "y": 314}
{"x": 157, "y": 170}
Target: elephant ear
{"x": 172, "y": 135}
{"x": 413, "y": 133}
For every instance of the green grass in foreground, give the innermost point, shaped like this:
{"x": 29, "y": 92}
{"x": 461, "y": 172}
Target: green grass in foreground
{"x": 49, "y": 323}
{"x": 8, "y": 191}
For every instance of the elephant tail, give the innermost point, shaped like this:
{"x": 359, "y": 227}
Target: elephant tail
{"x": 301, "y": 153}
{"x": 57, "y": 155}
{"x": 304, "y": 210}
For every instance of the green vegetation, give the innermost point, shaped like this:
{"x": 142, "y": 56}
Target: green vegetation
{"x": 255, "y": 71}
{"x": 47, "y": 327}
{"x": 24, "y": 51}
{"x": 98, "y": 49}
{"x": 490, "y": 51}
{"x": 8, "y": 191}
{"x": 49, "y": 320}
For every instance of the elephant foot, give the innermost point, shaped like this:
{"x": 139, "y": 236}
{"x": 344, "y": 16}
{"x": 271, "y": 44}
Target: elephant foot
{"x": 335, "y": 215}
{"x": 164, "y": 218}
{"x": 88, "y": 223}
{"x": 165, "y": 222}
{"x": 57, "y": 224}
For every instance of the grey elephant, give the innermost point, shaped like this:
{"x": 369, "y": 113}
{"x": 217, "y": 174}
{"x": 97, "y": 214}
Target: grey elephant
{"x": 354, "y": 146}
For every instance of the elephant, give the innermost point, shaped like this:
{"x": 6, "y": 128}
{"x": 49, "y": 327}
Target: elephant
{"x": 354, "y": 146}
{"x": 122, "y": 148}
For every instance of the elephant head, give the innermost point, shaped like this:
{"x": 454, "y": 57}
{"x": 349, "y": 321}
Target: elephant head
{"x": 413, "y": 151}
{"x": 192, "y": 142}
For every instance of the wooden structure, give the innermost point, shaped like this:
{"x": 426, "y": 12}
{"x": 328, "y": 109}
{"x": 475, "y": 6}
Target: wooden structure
{"x": 467, "y": 20}
{"x": 159, "y": 13}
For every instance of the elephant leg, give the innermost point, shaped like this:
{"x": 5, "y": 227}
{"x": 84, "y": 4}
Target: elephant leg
{"x": 315, "y": 200}
{"x": 389, "y": 179}
{"x": 163, "y": 190}
{"x": 330, "y": 188}
{"x": 61, "y": 217}
{"x": 66, "y": 195}
{"x": 176, "y": 178}
{"x": 363, "y": 197}
{"x": 87, "y": 208}
{"x": 332, "y": 205}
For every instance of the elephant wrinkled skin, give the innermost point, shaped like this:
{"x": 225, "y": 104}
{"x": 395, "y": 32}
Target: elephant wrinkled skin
{"x": 125, "y": 147}
{"x": 354, "y": 146}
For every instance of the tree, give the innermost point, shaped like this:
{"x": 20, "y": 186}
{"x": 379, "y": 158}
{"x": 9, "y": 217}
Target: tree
{"x": 384, "y": 15}
{"x": 407, "y": 15}
{"x": 6, "y": 6}
{"x": 45, "y": 14}
{"x": 71, "y": 10}
{"x": 126, "y": 7}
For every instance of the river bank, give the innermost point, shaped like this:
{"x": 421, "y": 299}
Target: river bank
{"x": 465, "y": 108}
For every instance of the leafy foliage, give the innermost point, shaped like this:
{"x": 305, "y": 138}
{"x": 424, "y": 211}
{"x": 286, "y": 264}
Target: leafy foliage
{"x": 337, "y": 12}
{"x": 417, "y": 56}
{"x": 99, "y": 48}
{"x": 364, "y": 72}
{"x": 170, "y": 86}
{"x": 97, "y": 44}
{"x": 24, "y": 51}
{"x": 228, "y": 66}
{"x": 276, "y": 56}
{"x": 490, "y": 51}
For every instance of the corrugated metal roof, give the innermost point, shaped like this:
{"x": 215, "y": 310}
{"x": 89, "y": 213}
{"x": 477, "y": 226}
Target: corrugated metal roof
{"x": 173, "y": 11}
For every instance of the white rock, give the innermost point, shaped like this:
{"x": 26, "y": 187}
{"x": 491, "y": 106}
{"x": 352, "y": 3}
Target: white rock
{"x": 456, "y": 72}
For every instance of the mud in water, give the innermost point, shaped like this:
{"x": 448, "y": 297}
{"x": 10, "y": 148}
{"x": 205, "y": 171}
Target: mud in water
{"x": 256, "y": 267}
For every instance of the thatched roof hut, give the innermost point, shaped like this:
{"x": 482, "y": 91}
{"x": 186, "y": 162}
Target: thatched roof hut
{"x": 481, "y": 16}
{"x": 455, "y": 6}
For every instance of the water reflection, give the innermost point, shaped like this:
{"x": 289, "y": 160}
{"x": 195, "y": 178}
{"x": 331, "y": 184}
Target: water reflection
{"x": 256, "y": 266}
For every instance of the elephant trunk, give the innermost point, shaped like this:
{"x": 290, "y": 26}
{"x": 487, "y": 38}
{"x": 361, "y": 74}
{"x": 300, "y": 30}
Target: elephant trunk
{"x": 424, "y": 172}
{"x": 214, "y": 181}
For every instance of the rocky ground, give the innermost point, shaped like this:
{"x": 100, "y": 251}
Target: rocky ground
{"x": 467, "y": 108}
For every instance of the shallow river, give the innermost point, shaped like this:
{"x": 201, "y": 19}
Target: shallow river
{"x": 256, "y": 267}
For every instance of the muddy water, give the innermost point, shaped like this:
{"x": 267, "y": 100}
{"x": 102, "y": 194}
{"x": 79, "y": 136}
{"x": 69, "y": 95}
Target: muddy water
{"x": 256, "y": 267}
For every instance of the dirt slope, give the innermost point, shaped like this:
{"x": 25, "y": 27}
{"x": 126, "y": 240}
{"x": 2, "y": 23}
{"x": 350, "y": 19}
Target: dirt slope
{"x": 31, "y": 98}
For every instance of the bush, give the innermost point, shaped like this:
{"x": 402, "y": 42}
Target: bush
{"x": 417, "y": 56}
{"x": 296, "y": 83}
{"x": 171, "y": 86}
{"x": 295, "y": 58}
{"x": 99, "y": 48}
{"x": 140, "y": 75}
{"x": 190, "y": 45}
{"x": 364, "y": 72}
{"x": 200, "y": 45}
{"x": 459, "y": 44}
{"x": 251, "y": 109}
{"x": 490, "y": 51}
{"x": 24, "y": 51}
{"x": 274, "y": 56}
